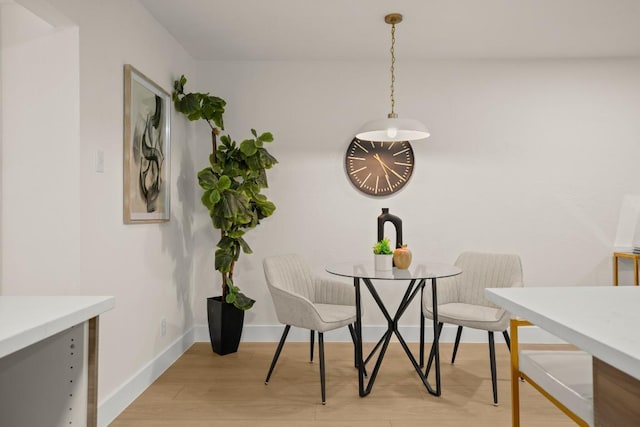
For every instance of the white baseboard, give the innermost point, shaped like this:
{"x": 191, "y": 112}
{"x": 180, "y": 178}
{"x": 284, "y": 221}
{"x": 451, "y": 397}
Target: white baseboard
{"x": 110, "y": 407}
{"x": 113, "y": 405}
{"x": 272, "y": 333}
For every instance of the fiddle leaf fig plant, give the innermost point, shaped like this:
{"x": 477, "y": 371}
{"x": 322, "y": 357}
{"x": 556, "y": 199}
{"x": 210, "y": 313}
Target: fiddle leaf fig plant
{"x": 232, "y": 184}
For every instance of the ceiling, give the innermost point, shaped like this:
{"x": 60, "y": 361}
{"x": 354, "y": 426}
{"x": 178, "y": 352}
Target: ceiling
{"x": 431, "y": 29}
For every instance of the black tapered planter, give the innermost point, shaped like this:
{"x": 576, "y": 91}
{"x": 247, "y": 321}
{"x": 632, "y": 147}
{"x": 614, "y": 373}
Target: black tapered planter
{"x": 225, "y": 325}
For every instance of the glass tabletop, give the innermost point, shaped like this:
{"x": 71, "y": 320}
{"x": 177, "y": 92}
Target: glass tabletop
{"x": 366, "y": 270}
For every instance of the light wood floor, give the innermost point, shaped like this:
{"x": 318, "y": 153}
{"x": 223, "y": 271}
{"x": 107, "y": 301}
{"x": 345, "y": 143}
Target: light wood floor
{"x": 204, "y": 389}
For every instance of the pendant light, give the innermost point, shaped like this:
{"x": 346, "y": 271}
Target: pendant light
{"x": 392, "y": 128}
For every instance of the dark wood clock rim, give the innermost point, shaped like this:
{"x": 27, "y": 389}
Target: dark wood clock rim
{"x": 376, "y": 169}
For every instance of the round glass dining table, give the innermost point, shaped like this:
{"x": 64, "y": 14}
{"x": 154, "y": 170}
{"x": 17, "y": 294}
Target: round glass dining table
{"x": 417, "y": 275}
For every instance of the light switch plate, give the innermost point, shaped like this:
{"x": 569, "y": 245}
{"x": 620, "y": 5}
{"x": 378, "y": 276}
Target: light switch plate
{"x": 100, "y": 161}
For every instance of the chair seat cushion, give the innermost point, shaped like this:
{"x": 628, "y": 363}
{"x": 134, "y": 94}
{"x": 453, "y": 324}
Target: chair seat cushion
{"x": 472, "y": 316}
{"x": 334, "y": 316}
{"x": 566, "y": 375}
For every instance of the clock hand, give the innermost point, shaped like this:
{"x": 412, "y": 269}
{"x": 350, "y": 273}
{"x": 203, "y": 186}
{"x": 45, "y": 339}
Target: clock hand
{"x": 384, "y": 165}
{"x": 377, "y": 157}
{"x": 386, "y": 175}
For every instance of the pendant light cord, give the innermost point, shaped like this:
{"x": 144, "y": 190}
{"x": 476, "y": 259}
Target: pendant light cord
{"x": 393, "y": 77}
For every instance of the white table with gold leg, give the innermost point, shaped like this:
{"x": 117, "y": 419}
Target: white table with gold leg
{"x": 602, "y": 321}
{"x": 49, "y": 360}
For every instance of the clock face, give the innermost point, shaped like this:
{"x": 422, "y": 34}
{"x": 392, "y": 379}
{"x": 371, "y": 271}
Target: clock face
{"x": 379, "y": 168}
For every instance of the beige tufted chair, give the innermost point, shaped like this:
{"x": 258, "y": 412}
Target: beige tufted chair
{"x": 309, "y": 302}
{"x": 461, "y": 300}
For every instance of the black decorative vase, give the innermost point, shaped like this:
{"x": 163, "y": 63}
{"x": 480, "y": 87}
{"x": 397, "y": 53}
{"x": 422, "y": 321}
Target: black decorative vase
{"x": 225, "y": 325}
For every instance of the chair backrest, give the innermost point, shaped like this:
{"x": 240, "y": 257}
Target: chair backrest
{"x": 291, "y": 274}
{"x": 486, "y": 270}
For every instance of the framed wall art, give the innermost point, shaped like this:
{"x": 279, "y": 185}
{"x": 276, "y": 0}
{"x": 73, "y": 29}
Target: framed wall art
{"x": 147, "y": 149}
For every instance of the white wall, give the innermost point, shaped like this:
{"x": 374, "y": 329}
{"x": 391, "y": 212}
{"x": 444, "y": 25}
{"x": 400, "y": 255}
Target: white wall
{"x": 62, "y": 228}
{"x": 40, "y": 167}
{"x": 531, "y": 157}
{"x": 146, "y": 267}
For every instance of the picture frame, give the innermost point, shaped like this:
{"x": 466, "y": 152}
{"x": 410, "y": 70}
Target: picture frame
{"x": 147, "y": 150}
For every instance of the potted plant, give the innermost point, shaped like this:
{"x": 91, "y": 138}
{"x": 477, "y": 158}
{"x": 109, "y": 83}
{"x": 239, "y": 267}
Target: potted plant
{"x": 383, "y": 255}
{"x": 232, "y": 185}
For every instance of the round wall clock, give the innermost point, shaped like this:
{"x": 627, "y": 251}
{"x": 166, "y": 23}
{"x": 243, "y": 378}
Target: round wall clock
{"x": 379, "y": 168}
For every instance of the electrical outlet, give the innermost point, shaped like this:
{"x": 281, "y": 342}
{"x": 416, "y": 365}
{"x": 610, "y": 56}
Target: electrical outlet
{"x": 163, "y": 327}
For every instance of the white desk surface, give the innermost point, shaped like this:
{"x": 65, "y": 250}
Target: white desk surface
{"x": 601, "y": 320}
{"x": 25, "y": 320}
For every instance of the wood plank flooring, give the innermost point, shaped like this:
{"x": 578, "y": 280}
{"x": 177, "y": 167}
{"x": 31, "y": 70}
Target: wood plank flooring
{"x": 204, "y": 389}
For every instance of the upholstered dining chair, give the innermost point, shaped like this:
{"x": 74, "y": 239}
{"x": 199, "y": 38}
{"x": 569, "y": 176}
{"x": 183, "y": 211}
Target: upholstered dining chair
{"x": 305, "y": 301}
{"x": 461, "y": 300}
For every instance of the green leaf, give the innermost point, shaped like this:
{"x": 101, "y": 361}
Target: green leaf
{"x": 215, "y": 166}
{"x": 254, "y": 164}
{"x": 178, "y": 87}
{"x": 243, "y": 302}
{"x": 214, "y": 198}
{"x": 217, "y": 118}
{"x": 267, "y": 159}
{"x": 210, "y": 198}
{"x": 220, "y": 222}
{"x": 261, "y": 179}
{"x": 190, "y": 104}
{"x": 254, "y": 133}
{"x": 224, "y": 183}
{"x": 226, "y": 243}
{"x": 245, "y": 246}
{"x": 231, "y": 298}
{"x": 234, "y": 205}
{"x": 207, "y": 179}
{"x": 382, "y": 247}
{"x": 248, "y": 147}
{"x": 266, "y": 137}
{"x": 223, "y": 259}
{"x": 236, "y": 234}
{"x": 195, "y": 115}
{"x": 267, "y": 208}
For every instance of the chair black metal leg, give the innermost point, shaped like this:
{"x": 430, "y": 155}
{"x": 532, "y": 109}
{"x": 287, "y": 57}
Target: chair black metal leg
{"x": 278, "y": 350}
{"x": 505, "y": 334}
{"x": 311, "y": 340}
{"x": 492, "y": 357}
{"x": 321, "y": 351}
{"x": 455, "y": 346}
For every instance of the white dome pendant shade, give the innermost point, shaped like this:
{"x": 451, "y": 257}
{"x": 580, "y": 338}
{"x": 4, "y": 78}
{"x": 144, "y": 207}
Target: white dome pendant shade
{"x": 392, "y": 128}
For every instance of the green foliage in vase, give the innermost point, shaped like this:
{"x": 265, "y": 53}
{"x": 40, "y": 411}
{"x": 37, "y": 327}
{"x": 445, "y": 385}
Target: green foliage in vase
{"x": 232, "y": 184}
{"x": 382, "y": 247}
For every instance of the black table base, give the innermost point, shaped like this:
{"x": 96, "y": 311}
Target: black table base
{"x": 415, "y": 287}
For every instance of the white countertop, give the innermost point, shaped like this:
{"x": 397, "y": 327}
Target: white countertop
{"x": 25, "y": 320}
{"x": 601, "y": 320}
